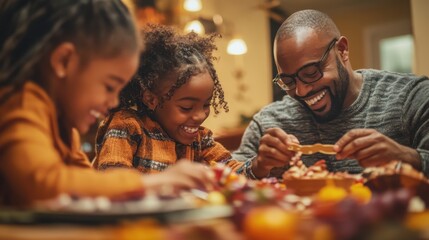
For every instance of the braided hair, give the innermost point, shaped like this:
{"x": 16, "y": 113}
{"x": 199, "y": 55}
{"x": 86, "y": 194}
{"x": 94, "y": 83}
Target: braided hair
{"x": 30, "y": 31}
{"x": 168, "y": 51}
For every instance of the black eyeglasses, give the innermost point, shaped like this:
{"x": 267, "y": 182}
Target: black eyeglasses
{"x": 309, "y": 73}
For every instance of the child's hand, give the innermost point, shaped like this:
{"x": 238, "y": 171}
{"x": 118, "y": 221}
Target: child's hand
{"x": 182, "y": 176}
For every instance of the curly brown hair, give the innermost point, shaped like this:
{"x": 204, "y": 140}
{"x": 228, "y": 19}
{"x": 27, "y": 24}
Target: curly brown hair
{"x": 169, "y": 51}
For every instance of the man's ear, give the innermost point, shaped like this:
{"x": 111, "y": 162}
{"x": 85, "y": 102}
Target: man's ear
{"x": 150, "y": 99}
{"x": 343, "y": 48}
{"x": 60, "y": 58}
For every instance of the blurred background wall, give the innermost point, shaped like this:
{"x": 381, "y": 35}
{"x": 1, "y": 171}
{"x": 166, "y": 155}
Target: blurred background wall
{"x": 420, "y": 20}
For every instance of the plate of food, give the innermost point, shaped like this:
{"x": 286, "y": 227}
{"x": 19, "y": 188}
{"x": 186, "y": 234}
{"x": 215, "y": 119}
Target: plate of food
{"x": 307, "y": 181}
{"x": 396, "y": 175}
{"x": 308, "y": 187}
{"x": 66, "y": 209}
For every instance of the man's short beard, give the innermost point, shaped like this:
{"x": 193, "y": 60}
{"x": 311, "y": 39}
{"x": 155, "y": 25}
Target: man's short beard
{"x": 337, "y": 101}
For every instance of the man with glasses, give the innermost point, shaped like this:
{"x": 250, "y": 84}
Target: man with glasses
{"x": 373, "y": 117}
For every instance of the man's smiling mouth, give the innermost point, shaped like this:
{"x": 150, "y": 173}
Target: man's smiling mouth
{"x": 315, "y": 99}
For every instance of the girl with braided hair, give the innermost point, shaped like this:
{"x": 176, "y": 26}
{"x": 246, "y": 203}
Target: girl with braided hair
{"x": 161, "y": 111}
{"x": 62, "y": 65}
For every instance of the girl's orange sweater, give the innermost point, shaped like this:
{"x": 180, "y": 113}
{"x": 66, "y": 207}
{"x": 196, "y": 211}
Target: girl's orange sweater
{"x": 36, "y": 164}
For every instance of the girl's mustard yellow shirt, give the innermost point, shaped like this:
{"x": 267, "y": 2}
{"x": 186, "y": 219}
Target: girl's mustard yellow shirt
{"x": 36, "y": 164}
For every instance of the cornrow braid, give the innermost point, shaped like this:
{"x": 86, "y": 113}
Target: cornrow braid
{"x": 30, "y": 30}
{"x": 168, "y": 51}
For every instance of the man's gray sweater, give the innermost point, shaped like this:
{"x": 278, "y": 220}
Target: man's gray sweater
{"x": 396, "y": 105}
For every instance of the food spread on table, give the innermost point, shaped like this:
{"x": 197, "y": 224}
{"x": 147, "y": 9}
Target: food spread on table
{"x": 309, "y": 202}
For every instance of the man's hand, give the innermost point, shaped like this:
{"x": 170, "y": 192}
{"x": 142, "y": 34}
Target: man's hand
{"x": 273, "y": 151}
{"x": 372, "y": 148}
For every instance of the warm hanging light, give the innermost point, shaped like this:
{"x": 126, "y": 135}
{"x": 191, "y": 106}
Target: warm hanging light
{"x": 192, "y": 5}
{"x": 195, "y": 26}
{"x": 237, "y": 46}
{"x": 217, "y": 19}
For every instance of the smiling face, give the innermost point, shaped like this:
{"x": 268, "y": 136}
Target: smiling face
{"x": 325, "y": 97}
{"x": 88, "y": 92}
{"x": 188, "y": 108}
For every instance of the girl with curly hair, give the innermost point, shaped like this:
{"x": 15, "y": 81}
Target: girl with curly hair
{"x": 161, "y": 112}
